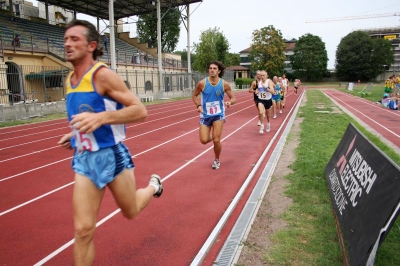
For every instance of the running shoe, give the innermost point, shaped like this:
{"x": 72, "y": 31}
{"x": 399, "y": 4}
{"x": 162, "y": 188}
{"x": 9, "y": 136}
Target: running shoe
{"x": 268, "y": 129}
{"x": 274, "y": 116}
{"x": 280, "y": 111}
{"x": 261, "y": 129}
{"x": 216, "y": 164}
{"x": 259, "y": 123}
{"x": 156, "y": 180}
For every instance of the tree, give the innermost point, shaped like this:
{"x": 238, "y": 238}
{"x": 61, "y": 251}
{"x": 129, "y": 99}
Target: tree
{"x": 232, "y": 59}
{"x": 310, "y": 58}
{"x": 170, "y": 29}
{"x": 268, "y": 51}
{"x": 212, "y": 46}
{"x": 360, "y": 57}
{"x": 184, "y": 57}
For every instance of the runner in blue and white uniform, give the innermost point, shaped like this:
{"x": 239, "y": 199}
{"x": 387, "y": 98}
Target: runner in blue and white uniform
{"x": 99, "y": 105}
{"x": 212, "y": 107}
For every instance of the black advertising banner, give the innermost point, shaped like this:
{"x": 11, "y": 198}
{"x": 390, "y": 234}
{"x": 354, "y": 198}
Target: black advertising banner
{"x": 364, "y": 185}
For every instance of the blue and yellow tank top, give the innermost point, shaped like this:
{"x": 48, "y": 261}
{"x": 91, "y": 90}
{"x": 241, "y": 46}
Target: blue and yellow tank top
{"x": 83, "y": 97}
{"x": 212, "y": 99}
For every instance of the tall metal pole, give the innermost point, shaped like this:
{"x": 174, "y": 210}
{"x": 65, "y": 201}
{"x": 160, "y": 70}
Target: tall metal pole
{"x": 112, "y": 34}
{"x": 159, "y": 52}
{"x": 189, "y": 61}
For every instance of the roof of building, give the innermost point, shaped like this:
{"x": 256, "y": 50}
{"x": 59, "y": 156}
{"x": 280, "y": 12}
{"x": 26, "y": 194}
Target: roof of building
{"x": 122, "y": 8}
{"x": 237, "y": 68}
{"x": 383, "y": 30}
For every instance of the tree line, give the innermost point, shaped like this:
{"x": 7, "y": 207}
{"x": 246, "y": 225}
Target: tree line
{"x": 358, "y": 56}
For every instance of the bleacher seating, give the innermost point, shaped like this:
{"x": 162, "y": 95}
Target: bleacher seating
{"x": 43, "y": 34}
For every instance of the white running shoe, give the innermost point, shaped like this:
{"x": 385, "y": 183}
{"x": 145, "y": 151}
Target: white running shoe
{"x": 280, "y": 111}
{"x": 261, "y": 129}
{"x": 259, "y": 123}
{"x": 156, "y": 180}
{"x": 274, "y": 116}
{"x": 268, "y": 129}
{"x": 216, "y": 164}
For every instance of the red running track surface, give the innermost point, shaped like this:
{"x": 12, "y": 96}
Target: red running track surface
{"x": 383, "y": 120}
{"x": 36, "y": 183}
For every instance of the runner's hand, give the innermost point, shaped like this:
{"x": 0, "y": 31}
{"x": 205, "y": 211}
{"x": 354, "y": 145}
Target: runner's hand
{"x": 86, "y": 122}
{"x": 65, "y": 141}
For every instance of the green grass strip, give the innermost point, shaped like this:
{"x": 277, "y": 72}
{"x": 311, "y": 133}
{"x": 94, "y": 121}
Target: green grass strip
{"x": 311, "y": 238}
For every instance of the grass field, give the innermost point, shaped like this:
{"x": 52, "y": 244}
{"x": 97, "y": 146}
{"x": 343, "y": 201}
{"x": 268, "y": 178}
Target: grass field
{"x": 311, "y": 237}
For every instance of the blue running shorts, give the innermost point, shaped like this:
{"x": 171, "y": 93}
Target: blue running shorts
{"x": 104, "y": 165}
{"x": 210, "y": 120}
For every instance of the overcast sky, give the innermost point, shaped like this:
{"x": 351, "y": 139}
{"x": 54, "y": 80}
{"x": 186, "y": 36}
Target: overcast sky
{"x": 237, "y": 19}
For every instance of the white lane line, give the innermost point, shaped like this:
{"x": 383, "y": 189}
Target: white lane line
{"x": 35, "y": 199}
{"x": 27, "y": 154}
{"x": 14, "y": 131}
{"x": 25, "y": 143}
{"x": 60, "y": 128}
{"x": 372, "y": 120}
{"x": 34, "y": 169}
{"x": 69, "y": 243}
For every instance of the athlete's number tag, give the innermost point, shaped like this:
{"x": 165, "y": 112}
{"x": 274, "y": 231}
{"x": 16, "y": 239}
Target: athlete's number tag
{"x": 213, "y": 108}
{"x": 262, "y": 95}
{"x": 85, "y": 142}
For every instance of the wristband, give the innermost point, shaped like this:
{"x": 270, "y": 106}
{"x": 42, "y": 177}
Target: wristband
{"x": 198, "y": 106}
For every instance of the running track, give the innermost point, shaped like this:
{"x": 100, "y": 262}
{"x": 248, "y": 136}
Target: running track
{"x": 383, "y": 120}
{"x": 36, "y": 183}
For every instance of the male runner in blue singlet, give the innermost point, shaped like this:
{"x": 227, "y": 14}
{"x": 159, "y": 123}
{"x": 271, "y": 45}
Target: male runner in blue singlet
{"x": 212, "y": 107}
{"x": 99, "y": 105}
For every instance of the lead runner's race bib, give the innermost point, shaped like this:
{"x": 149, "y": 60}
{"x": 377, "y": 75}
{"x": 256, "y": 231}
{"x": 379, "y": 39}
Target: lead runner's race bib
{"x": 85, "y": 142}
{"x": 213, "y": 108}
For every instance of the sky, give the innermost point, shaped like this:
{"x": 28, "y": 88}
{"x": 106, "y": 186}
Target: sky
{"x": 237, "y": 19}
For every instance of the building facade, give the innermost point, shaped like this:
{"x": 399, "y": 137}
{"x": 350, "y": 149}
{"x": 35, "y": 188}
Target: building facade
{"x": 392, "y": 34}
{"x": 245, "y": 60}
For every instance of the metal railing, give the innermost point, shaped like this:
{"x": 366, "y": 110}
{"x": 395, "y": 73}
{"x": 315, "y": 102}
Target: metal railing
{"x": 28, "y": 91}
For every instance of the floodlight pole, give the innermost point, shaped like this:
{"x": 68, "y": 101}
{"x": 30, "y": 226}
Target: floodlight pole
{"x": 188, "y": 47}
{"x": 159, "y": 52}
{"x": 112, "y": 34}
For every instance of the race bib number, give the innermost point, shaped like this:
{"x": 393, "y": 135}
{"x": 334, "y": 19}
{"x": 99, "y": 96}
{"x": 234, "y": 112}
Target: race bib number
{"x": 213, "y": 108}
{"x": 85, "y": 142}
{"x": 262, "y": 95}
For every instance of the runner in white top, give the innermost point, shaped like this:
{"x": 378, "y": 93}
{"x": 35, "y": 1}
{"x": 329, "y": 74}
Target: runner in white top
{"x": 285, "y": 89}
{"x": 264, "y": 101}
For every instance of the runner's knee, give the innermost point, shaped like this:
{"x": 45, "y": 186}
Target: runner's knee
{"x": 130, "y": 214}
{"x": 84, "y": 231}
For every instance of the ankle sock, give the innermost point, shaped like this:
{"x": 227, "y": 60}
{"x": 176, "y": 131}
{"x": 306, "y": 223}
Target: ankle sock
{"x": 156, "y": 187}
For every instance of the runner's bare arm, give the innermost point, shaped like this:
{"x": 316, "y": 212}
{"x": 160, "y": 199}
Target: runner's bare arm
{"x": 228, "y": 91}
{"x": 196, "y": 93}
{"x": 252, "y": 88}
{"x": 108, "y": 83}
{"x": 271, "y": 87}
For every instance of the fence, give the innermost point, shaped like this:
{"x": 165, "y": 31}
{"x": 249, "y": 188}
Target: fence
{"x": 28, "y": 91}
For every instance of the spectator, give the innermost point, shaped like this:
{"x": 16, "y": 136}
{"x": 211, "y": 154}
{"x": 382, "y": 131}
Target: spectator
{"x": 105, "y": 41}
{"x": 16, "y": 42}
{"x": 138, "y": 58}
